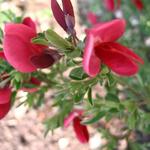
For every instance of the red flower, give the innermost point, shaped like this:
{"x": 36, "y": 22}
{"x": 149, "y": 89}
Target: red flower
{"x": 80, "y": 129}
{"x": 101, "y": 47}
{"x": 65, "y": 17}
{"x": 21, "y": 53}
{"x": 139, "y": 4}
{"x": 5, "y": 101}
{"x": 92, "y": 18}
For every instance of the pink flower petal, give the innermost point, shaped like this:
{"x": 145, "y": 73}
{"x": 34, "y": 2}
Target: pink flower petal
{"x": 58, "y": 14}
{"x": 5, "y": 95}
{"x": 80, "y": 130}
{"x": 4, "y": 109}
{"x": 91, "y": 63}
{"x": 18, "y": 52}
{"x": 30, "y": 23}
{"x": 117, "y": 61}
{"x": 109, "y": 31}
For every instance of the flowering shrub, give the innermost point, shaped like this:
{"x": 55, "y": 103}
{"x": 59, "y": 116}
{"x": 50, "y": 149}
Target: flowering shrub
{"x": 101, "y": 59}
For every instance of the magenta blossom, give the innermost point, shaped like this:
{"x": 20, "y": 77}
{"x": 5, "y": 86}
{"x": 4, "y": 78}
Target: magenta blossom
{"x": 80, "y": 129}
{"x": 65, "y": 17}
{"x": 5, "y": 101}
{"x": 101, "y": 48}
{"x": 21, "y": 53}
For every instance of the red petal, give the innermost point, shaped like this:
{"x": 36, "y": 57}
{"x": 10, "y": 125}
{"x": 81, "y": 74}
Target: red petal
{"x": 18, "y": 48}
{"x": 126, "y": 51}
{"x": 91, "y": 63}
{"x": 58, "y": 14}
{"x": 117, "y": 61}
{"x": 42, "y": 61}
{"x": 18, "y": 54}
{"x": 5, "y": 95}
{"x": 110, "y": 5}
{"x": 80, "y": 130}
{"x": 109, "y": 31}
{"x": 139, "y": 4}
{"x": 92, "y": 18}
{"x": 23, "y": 31}
{"x": 4, "y": 109}
{"x": 30, "y": 23}
{"x": 67, "y": 7}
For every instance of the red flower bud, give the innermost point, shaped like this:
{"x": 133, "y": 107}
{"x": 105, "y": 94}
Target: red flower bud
{"x": 65, "y": 17}
{"x": 80, "y": 130}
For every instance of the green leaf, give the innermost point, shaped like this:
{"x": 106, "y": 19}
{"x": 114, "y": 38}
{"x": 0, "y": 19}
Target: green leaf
{"x": 57, "y": 41}
{"x": 96, "y": 118}
{"x": 18, "y": 19}
{"x": 90, "y": 96}
{"x": 40, "y": 40}
{"x": 77, "y": 74}
{"x": 1, "y": 33}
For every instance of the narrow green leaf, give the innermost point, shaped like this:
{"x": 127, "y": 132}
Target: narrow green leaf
{"x": 1, "y": 33}
{"x": 90, "y": 96}
{"x": 96, "y": 118}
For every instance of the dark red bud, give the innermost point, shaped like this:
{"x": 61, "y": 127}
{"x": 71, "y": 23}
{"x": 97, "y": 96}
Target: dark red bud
{"x": 58, "y": 14}
{"x": 68, "y": 8}
{"x": 80, "y": 130}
